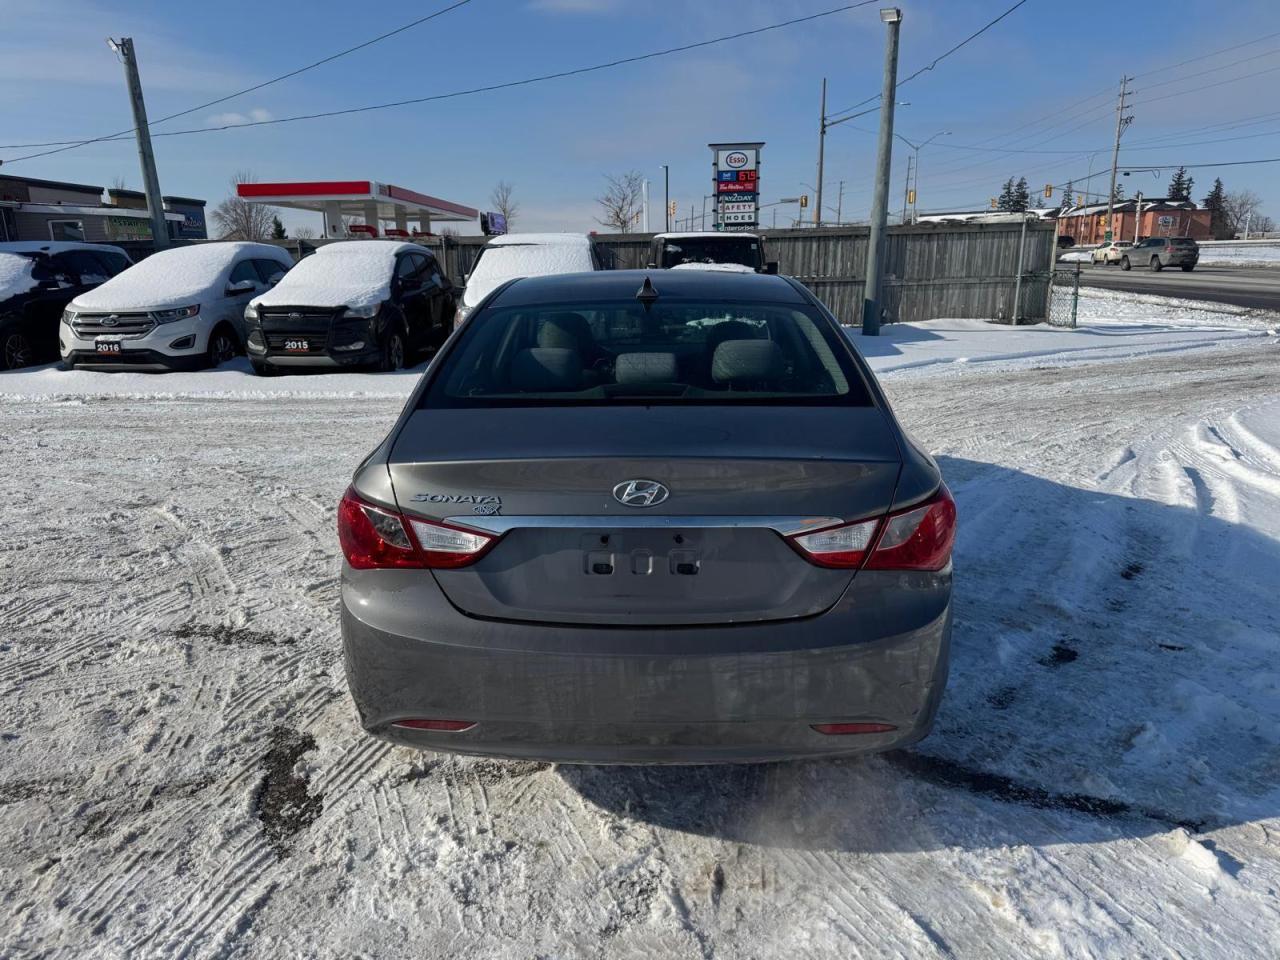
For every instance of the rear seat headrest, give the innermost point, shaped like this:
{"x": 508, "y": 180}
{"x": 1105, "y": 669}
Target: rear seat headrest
{"x": 747, "y": 360}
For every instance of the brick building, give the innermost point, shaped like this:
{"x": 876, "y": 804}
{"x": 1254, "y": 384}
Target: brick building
{"x": 1158, "y": 218}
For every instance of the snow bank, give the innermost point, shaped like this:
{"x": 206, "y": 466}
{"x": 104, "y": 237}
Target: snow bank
{"x": 526, "y": 255}
{"x": 173, "y": 278}
{"x": 1241, "y": 254}
{"x": 15, "y": 275}
{"x": 354, "y": 273}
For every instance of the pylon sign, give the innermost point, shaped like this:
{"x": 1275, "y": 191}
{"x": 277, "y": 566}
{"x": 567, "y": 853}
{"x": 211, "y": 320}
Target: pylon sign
{"x": 735, "y": 184}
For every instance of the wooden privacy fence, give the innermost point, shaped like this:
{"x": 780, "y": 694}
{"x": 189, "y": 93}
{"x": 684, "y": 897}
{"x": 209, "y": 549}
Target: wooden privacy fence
{"x": 931, "y": 270}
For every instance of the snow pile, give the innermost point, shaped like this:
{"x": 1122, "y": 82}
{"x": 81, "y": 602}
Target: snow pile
{"x": 720, "y": 267}
{"x": 175, "y": 278}
{"x": 354, "y": 273}
{"x": 526, "y": 255}
{"x": 1242, "y": 254}
{"x": 1076, "y": 255}
{"x": 15, "y": 275}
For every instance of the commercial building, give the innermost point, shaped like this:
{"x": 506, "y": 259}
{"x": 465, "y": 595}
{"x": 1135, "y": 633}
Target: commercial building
{"x": 1158, "y": 217}
{"x": 32, "y": 209}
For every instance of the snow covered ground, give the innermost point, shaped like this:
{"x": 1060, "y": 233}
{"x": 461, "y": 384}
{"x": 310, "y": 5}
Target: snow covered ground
{"x": 1246, "y": 253}
{"x": 183, "y": 774}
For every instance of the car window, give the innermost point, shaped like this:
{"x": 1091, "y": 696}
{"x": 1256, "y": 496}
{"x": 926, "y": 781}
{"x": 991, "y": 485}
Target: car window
{"x": 745, "y": 251}
{"x": 406, "y": 268}
{"x": 678, "y": 352}
{"x": 244, "y": 270}
{"x": 1183, "y": 242}
{"x": 269, "y": 268}
{"x": 114, "y": 262}
{"x": 81, "y": 264}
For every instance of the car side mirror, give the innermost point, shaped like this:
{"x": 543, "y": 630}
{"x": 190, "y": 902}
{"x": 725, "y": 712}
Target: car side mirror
{"x": 241, "y": 286}
{"x": 651, "y": 265}
{"x": 274, "y": 279}
{"x": 771, "y": 266}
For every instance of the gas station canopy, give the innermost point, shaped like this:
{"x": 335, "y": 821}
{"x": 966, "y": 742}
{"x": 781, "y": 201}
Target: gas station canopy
{"x": 367, "y": 200}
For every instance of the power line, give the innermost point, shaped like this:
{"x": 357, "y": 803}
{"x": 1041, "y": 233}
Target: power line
{"x": 937, "y": 60}
{"x": 1192, "y": 76}
{"x": 1206, "y": 86}
{"x": 490, "y": 87}
{"x": 1206, "y": 56}
{"x": 72, "y": 144}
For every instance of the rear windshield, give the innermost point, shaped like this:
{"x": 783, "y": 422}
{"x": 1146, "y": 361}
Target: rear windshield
{"x": 745, "y": 251}
{"x": 677, "y": 352}
{"x": 1183, "y": 242}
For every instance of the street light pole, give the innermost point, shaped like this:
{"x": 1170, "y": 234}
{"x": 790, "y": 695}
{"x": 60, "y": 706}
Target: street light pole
{"x": 123, "y": 48}
{"x": 822, "y": 149}
{"x": 666, "y": 196}
{"x": 871, "y": 308}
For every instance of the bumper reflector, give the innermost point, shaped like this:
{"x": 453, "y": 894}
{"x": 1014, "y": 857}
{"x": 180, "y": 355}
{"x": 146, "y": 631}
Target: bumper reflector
{"x": 839, "y": 729}
{"x": 449, "y": 726}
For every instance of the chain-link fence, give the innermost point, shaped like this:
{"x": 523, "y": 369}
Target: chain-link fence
{"x": 1064, "y": 295}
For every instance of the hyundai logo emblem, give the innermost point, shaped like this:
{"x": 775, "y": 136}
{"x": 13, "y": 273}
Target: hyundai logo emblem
{"x": 640, "y": 493}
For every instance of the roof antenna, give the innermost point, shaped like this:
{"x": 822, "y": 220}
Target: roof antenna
{"x": 646, "y": 294}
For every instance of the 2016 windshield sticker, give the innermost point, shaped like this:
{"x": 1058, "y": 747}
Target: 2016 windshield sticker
{"x": 481, "y": 503}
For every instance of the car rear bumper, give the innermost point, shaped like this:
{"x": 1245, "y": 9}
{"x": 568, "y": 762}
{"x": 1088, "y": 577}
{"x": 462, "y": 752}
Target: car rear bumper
{"x": 736, "y": 693}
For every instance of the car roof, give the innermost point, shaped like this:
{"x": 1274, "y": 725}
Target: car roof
{"x": 541, "y": 239}
{"x": 55, "y": 246}
{"x": 708, "y": 234}
{"x": 623, "y": 285}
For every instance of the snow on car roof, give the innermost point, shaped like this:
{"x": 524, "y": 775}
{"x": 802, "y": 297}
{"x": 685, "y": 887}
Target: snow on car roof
{"x": 352, "y": 273}
{"x": 55, "y": 246}
{"x": 15, "y": 275}
{"x": 176, "y": 277}
{"x": 706, "y": 234}
{"x": 527, "y": 255}
{"x": 541, "y": 239}
{"x": 721, "y": 267}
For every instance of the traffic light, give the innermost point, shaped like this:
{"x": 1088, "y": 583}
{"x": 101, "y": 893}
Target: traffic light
{"x": 911, "y": 196}
{"x": 1048, "y": 190}
{"x": 994, "y": 203}
{"x": 671, "y": 208}
{"x": 804, "y": 200}
{"x": 1079, "y": 199}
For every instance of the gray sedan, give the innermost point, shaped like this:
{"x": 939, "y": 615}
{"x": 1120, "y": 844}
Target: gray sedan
{"x": 644, "y": 517}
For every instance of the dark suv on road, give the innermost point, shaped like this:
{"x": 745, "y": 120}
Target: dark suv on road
{"x": 1160, "y": 252}
{"x": 37, "y": 281}
{"x": 356, "y": 303}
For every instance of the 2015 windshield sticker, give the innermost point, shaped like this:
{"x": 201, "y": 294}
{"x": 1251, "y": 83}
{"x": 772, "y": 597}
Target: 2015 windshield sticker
{"x": 483, "y": 504}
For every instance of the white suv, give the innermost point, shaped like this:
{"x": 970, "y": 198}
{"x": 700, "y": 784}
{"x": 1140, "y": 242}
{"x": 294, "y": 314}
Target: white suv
{"x": 178, "y": 309}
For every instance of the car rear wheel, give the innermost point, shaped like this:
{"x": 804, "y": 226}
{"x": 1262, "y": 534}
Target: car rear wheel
{"x": 393, "y": 352}
{"x": 1188, "y": 267}
{"x": 1156, "y": 265}
{"x": 16, "y": 349}
{"x": 223, "y": 347}
{"x": 1124, "y": 263}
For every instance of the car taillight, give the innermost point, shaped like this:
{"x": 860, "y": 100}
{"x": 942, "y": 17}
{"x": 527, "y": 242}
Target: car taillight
{"x": 375, "y": 538}
{"x": 919, "y": 538}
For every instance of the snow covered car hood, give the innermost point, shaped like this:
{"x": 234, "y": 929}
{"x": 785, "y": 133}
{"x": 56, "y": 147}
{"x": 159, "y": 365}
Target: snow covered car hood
{"x": 173, "y": 278}
{"x": 15, "y": 275}
{"x": 526, "y": 255}
{"x": 355, "y": 273}
{"x": 721, "y": 267}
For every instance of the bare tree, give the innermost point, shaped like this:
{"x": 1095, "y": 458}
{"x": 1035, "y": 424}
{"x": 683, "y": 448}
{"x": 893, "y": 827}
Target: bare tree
{"x": 118, "y": 183}
{"x": 237, "y": 219}
{"x": 304, "y": 233}
{"x": 503, "y": 203}
{"x": 620, "y": 203}
{"x": 1240, "y": 207}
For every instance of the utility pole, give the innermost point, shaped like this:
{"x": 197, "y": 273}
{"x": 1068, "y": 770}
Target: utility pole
{"x": 644, "y": 203}
{"x": 1137, "y": 219}
{"x": 906, "y": 191}
{"x": 822, "y": 149}
{"x": 1121, "y": 123}
{"x": 666, "y": 196}
{"x": 892, "y": 18}
{"x": 123, "y": 48}
{"x": 840, "y": 204}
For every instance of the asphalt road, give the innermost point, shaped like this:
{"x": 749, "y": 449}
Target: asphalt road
{"x": 1257, "y": 287}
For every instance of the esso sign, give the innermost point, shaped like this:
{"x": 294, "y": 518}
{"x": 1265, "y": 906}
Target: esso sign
{"x": 736, "y": 160}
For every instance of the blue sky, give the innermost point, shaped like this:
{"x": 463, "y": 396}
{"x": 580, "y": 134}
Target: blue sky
{"x": 1054, "y": 66}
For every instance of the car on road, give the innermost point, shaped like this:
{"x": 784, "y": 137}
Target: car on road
{"x": 356, "y": 303}
{"x": 1111, "y": 251}
{"x": 525, "y": 255}
{"x": 648, "y": 516}
{"x": 37, "y": 281}
{"x": 179, "y": 309}
{"x": 1160, "y": 252}
{"x": 747, "y": 250}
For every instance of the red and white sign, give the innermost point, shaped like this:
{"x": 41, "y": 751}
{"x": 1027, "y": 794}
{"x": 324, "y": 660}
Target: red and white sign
{"x": 735, "y": 188}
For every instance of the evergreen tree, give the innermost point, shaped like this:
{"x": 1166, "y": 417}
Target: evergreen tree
{"x": 1118, "y": 196}
{"x": 1021, "y": 195}
{"x": 1068, "y": 196}
{"x": 1216, "y": 204}
{"x": 277, "y": 229}
{"x": 1007, "y": 199}
{"x": 1181, "y": 184}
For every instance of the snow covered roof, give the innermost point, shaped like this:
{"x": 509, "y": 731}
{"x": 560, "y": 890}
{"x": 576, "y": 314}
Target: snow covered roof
{"x": 720, "y": 267}
{"x": 1127, "y": 206}
{"x": 351, "y": 273}
{"x": 176, "y": 277}
{"x": 54, "y": 246}
{"x": 526, "y": 255}
{"x": 699, "y": 234}
{"x": 15, "y": 275}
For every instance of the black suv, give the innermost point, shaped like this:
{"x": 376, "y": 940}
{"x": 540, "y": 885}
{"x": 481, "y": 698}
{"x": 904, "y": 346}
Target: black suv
{"x": 357, "y": 303}
{"x": 744, "y": 249}
{"x": 37, "y": 281}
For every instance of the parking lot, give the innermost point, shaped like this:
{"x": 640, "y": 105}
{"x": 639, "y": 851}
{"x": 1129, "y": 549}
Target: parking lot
{"x": 1101, "y": 782}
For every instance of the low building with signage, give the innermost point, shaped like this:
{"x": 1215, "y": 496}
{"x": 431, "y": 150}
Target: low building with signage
{"x": 32, "y": 209}
{"x": 1159, "y": 217}
{"x": 384, "y": 209}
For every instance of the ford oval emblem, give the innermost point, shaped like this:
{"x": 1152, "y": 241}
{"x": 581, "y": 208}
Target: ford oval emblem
{"x": 109, "y": 321}
{"x": 640, "y": 493}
